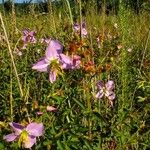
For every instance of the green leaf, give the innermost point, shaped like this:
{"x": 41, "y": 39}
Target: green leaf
{"x": 1, "y": 146}
{"x": 60, "y": 145}
{"x": 79, "y": 103}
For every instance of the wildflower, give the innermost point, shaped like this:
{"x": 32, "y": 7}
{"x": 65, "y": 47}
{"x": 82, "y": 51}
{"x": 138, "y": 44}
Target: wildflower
{"x": 106, "y": 90}
{"x": 38, "y": 51}
{"x": 129, "y": 49}
{"x": 54, "y": 61}
{"x": 18, "y": 52}
{"x": 76, "y": 61}
{"x": 98, "y": 42}
{"x": 116, "y": 25}
{"x": 83, "y": 28}
{"x": 51, "y": 109}
{"x": 45, "y": 40}
{"x": 28, "y": 37}
{"x": 98, "y": 39}
{"x": 76, "y": 27}
{"x": 25, "y": 135}
{"x": 119, "y": 46}
{"x": 39, "y": 113}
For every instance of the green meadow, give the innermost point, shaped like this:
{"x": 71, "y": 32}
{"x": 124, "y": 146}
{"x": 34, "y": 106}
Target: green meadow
{"x": 78, "y": 110}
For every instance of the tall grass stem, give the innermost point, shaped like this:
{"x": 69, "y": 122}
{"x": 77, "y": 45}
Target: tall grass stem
{"x": 70, "y": 12}
{"x": 145, "y": 48}
{"x": 11, "y": 55}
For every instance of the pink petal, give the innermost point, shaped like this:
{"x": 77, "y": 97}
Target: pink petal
{"x": 24, "y": 46}
{"x": 17, "y": 128}
{"x": 41, "y": 65}
{"x": 76, "y": 27}
{"x": 100, "y": 85}
{"x": 110, "y": 85}
{"x": 70, "y": 63}
{"x": 39, "y": 113}
{"x": 83, "y": 25}
{"x": 24, "y": 38}
{"x": 33, "y": 39}
{"x": 10, "y": 137}
{"x": 31, "y": 33}
{"x": 52, "y": 76}
{"x": 47, "y": 41}
{"x": 66, "y": 61}
{"x": 84, "y": 32}
{"x": 35, "y": 129}
{"x": 100, "y": 94}
{"x": 30, "y": 141}
{"x": 111, "y": 103}
{"x": 110, "y": 94}
{"x": 51, "y": 109}
{"x": 76, "y": 61}
{"x": 54, "y": 49}
{"x": 66, "y": 66}
{"x": 25, "y": 31}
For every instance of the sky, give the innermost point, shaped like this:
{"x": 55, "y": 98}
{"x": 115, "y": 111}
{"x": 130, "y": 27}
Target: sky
{"x": 20, "y": 1}
{"x": 17, "y": 1}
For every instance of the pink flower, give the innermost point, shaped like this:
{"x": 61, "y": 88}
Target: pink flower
{"x": 39, "y": 113}
{"x": 76, "y": 61}
{"x": 83, "y": 30}
{"x": 129, "y": 50}
{"x": 106, "y": 90}
{"x": 26, "y": 135}
{"x": 28, "y": 37}
{"x": 45, "y": 40}
{"x": 18, "y": 52}
{"x": 54, "y": 61}
{"x": 51, "y": 109}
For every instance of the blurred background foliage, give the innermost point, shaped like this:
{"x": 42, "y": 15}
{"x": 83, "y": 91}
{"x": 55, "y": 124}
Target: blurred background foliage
{"x": 111, "y": 6}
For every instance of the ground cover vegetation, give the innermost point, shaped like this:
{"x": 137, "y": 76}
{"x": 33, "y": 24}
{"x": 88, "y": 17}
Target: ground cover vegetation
{"x": 76, "y": 76}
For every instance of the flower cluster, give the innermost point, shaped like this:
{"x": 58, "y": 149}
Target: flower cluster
{"x": 54, "y": 61}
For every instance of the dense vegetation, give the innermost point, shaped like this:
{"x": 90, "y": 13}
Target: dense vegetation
{"x": 100, "y": 98}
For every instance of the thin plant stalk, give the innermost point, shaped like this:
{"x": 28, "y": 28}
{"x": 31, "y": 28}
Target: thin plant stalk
{"x": 80, "y": 10}
{"x": 11, "y": 97}
{"x": 52, "y": 15}
{"x": 11, "y": 55}
{"x": 70, "y": 12}
{"x": 145, "y": 50}
{"x": 26, "y": 100}
{"x": 13, "y": 17}
{"x": 14, "y": 67}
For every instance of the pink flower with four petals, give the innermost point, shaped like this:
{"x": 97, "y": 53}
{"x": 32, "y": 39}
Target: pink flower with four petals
{"x": 54, "y": 61}
{"x": 106, "y": 90}
{"x": 25, "y": 135}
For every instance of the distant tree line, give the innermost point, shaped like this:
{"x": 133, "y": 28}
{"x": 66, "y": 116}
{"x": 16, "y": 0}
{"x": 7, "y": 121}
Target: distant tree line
{"x": 111, "y": 6}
